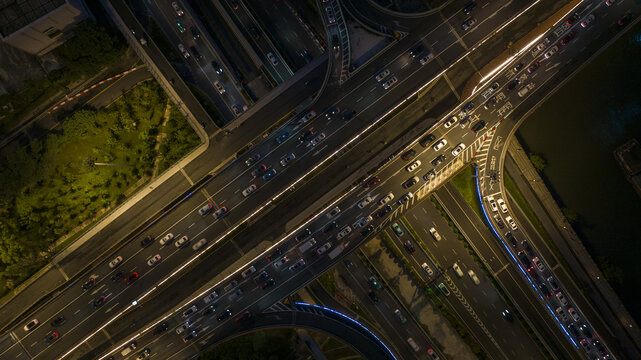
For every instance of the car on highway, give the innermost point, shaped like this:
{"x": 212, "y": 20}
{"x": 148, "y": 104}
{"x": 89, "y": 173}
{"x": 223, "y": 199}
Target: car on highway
{"x": 586, "y": 331}
{"x": 31, "y": 325}
{"x": 254, "y": 32}
{"x": 366, "y": 201}
{"x": 444, "y": 289}
{"x": 272, "y": 58}
{"x": 190, "y": 336}
{"x": 219, "y": 87}
{"x": 287, "y": 159}
{"x": 469, "y": 7}
{"x": 417, "y": 50}
{"x": 457, "y": 150}
{"x": 545, "y": 290}
{"x": 268, "y": 175}
{"x": 426, "y": 140}
{"x": 335, "y": 211}
{"x": 372, "y": 295}
{"x": 189, "y": 311}
{"x": 167, "y": 238}
{"x": 567, "y": 38}
{"x": 572, "y": 19}
{"x": 183, "y": 51}
{"x": 512, "y": 84}
{"x": 89, "y": 284}
{"x": 433, "y": 354}
{"x": 117, "y": 276}
{"x": 333, "y": 225}
{"x": 164, "y": 326}
{"x": 491, "y": 102}
{"x": 586, "y": 346}
{"x": 389, "y": 197}
{"x": 217, "y": 67}
{"x": 457, "y": 270}
{"x": 467, "y": 24}
{"x": 437, "y": 160}
{"x": 194, "y": 32}
{"x": 511, "y": 239}
{"x": 284, "y": 260}
{"x": 244, "y": 317}
{"x": 574, "y": 314}
{"x": 538, "y": 263}
{"x": 410, "y": 182}
{"x": 429, "y": 175}
{"x": 59, "y": 320}
{"x": 367, "y": 230}
{"x": 206, "y": 209}
{"x": 177, "y": 8}
{"x": 259, "y": 170}
{"x": 320, "y": 137}
{"x": 502, "y": 205}
{"x": 409, "y": 247}
{"x": 469, "y": 106}
{"x": 405, "y": 198}
{"x": 154, "y": 260}
{"x": 413, "y": 166}
{"x": 372, "y": 181}
{"x": 302, "y": 235}
{"x": 499, "y": 221}
{"x": 349, "y": 115}
{"x": 51, "y": 337}
{"x": 321, "y": 250}
{"x": 333, "y": 111}
{"x": 551, "y": 52}
{"x": 98, "y": 302}
{"x": 535, "y": 65}
{"x": 527, "y": 247}
{"x": 440, "y": 144}
{"x": 132, "y": 278}
{"x": 472, "y": 275}
{"x": 427, "y": 269}
{"x": 451, "y": 121}
{"x": 202, "y": 242}
{"x": 382, "y": 75}
{"x": 400, "y": 316}
{"x": 306, "y": 135}
{"x": 269, "y": 283}
{"x": 492, "y": 203}
{"x": 182, "y": 242}
{"x": 374, "y": 283}
{"x": 543, "y": 44}
{"x": 478, "y": 126}
{"x": 249, "y": 190}
{"x": 426, "y": 58}
{"x": 143, "y": 354}
{"x": 507, "y": 315}
{"x": 148, "y": 240}
{"x": 115, "y": 262}
{"x": 390, "y": 82}
{"x": 183, "y": 327}
{"x": 330, "y": 15}
{"x": 298, "y": 264}
{"x": 524, "y": 259}
{"x": 465, "y": 122}
{"x": 310, "y": 115}
{"x": 384, "y": 211}
{"x": 609, "y": 2}
{"x": 435, "y": 234}
{"x": 180, "y": 26}
{"x": 561, "y": 298}
{"x": 221, "y": 213}
{"x": 397, "y": 229}
{"x": 408, "y": 154}
{"x": 264, "y": 275}
{"x": 282, "y": 137}
{"x": 511, "y": 222}
{"x": 252, "y": 160}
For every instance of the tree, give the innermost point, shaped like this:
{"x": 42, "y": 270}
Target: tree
{"x": 570, "y": 215}
{"x": 538, "y": 162}
{"x": 612, "y": 273}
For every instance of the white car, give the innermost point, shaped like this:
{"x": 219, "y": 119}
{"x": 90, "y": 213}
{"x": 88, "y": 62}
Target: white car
{"x": 249, "y": 190}
{"x": 502, "y": 205}
{"x": 511, "y": 222}
{"x": 451, "y": 121}
{"x": 334, "y": 212}
{"x": 457, "y": 270}
{"x": 457, "y": 150}
{"x": 587, "y": 21}
{"x": 177, "y": 8}
{"x": 247, "y": 273}
{"x": 562, "y": 315}
{"x": 439, "y": 144}
{"x": 365, "y": 202}
{"x": 427, "y": 269}
{"x": 562, "y": 298}
{"x": 538, "y": 263}
{"x": 382, "y": 75}
{"x": 211, "y": 297}
{"x": 272, "y": 58}
{"x": 181, "y": 328}
{"x": 154, "y": 260}
{"x": 31, "y": 325}
{"x": 182, "y": 242}
{"x": 389, "y": 197}
{"x": 388, "y": 84}
{"x": 287, "y": 159}
{"x": 574, "y": 314}
{"x": 284, "y": 260}
{"x": 318, "y": 139}
{"x": 308, "y": 116}
{"x": 183, "y": 51}
{"x": 321, "y": 250}
{"x": 551, "y": 52}
{"x": 473, "y": 276}
{"x": 435, "y": 234}
{"x": 199, "y": 244}
{"x": 405, "y": 198}
{"x": 166, "y": 239}
{"x": 115, "y": 262}
{"x": 425, "y": 59}
{"x": 413, "y": 166}
{"x": 543, "y": 44}
{"x": 219, "y": 87}
{"x": 344, "y": 232}
{"x": 492, "y": 202}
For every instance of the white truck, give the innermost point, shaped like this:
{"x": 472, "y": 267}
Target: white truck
{"x": 337, "y": 250}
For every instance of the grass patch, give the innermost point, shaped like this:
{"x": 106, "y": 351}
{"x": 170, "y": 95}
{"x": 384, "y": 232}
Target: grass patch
{"x": 332, "y": 344}
{"x": 465, "y": 182}
{"x": 355, "y": 307}
{"x": 180, "y": 140}
{"x": 328, "y": 282}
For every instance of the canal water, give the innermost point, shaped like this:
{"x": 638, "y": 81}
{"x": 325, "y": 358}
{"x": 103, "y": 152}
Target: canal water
{"x": 576, "y": 132}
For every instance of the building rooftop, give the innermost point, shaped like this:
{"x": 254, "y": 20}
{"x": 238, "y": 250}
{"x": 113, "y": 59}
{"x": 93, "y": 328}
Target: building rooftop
{"x": 16, "y": 14}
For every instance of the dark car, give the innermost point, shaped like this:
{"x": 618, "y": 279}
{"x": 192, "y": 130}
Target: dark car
{"x": 252, "y": 159}
{"x": 469, "y": 7}
{"x": 131, "y": 278}
{"x": 572, "y": 19}
{"x": 408, "y": 154}
{"x": 467, "y": 24}
{"x": 217, "y": 67}
{"x": 117, "y": 276}
{"x": 224, "y": 315}
{"x": 333, "y": 111}
{"x": 512, "y": 84}
{"x": 244, "y": 317}
{"x": 384, "y": 211}
{"x": 507, "y": 315}
{"x": 409, "y": 247}
{"x": 264, "y": 275}
{"x": 194, "y": 51}
{"x": 275, "y": 254}
{"x": 209, "y": 310}
{"x": 469, "y": 106}
{"x": 349, "y": 115}
{"x": 511, "y": 239}
{"x": 371, "y": 182}
{"x": 255, "y": 32}
{"x": 89, "y": 284}
{"x": 574, "y": 331}
{"x": 417, "y": 50}
{"x": 97, "y": 302}
{"x": 410, "y": 182}
{"x": 566, "y": 40}
{"x": 333, "y": 225}
{"x": 259, "y": 170}
{"x": 148, "y": 240}
{"x": 524, "y": 259}
{"x": 306, "y": 135}
{"x": 527, "y": 247}
{"x": 427, "y": 140}
{"x": 491, "y": 102}
{"x": 335, "y": 43}
{"x": 282, "y": 137}
{"x": 478, "y": 126}
{"x": 192, "y": 335}
{"x": 367, "y": 230}
{"x": 586, "y": 331}
{"x": 303, "y": 234}
{"x": 372, "y": 295}
{"x": 58, "y": 321}
{"x": 267, "y": 284}
{"x": 545, "y": 290}
{"x": 518, "y": 66}
{"x": 161, "y": 328}
{"x": 439, "y": 159}
{"x": 535, "y": 65}
{"x": 194, "y": 32}
{"x": 51, "y": 337}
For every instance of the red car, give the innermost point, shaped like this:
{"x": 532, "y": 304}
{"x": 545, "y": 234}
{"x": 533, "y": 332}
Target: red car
{"x": 373, "y": 181}
{"x": 245, "y": 316}
{"x": 131, "y": 278}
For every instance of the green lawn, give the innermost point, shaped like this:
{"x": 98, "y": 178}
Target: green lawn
{"x": 328, "y": 282}
{"x": 465, "y": 182}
